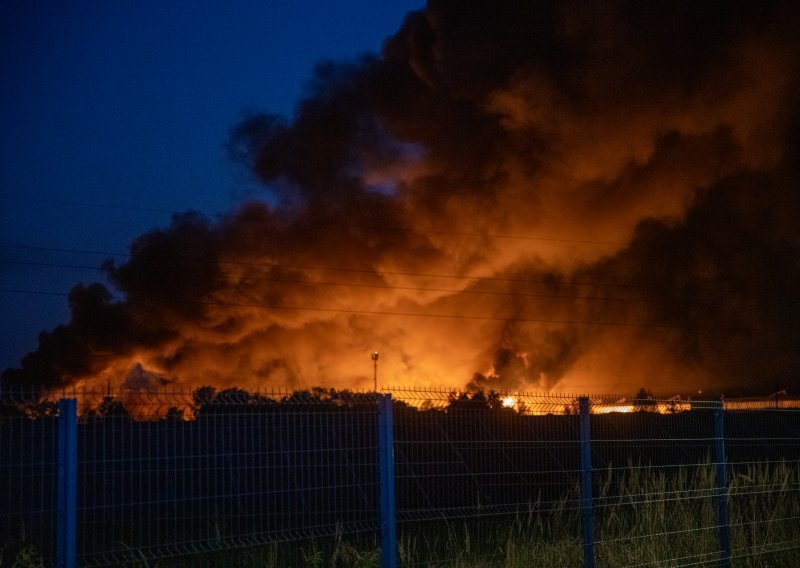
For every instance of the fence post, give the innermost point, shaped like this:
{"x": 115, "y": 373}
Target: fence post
{"x": 587, "y": 512}
{"x": 721, "y": 489}
{"x": 388, "y": 521}
{"x": 67, "y": 489}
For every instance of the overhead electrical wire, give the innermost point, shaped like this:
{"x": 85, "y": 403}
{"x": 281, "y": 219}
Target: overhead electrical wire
{"x": 359, "y": 270}
{"x": 85, "y": 204}
{"x": 279, "y": 280}
{"x": 515, "y": 318}
{"x": 396, "y": 229}
{"x": 368, "y": 271}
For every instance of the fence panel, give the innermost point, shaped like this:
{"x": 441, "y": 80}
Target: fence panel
{"x": 67, "y": 484}
{"x": 480, "y": 481}
{"x": 763, "y": 448}
{"x": 28, "y": 474}
{"x": 221, "y": 472}
{"x": 654, "y": 483}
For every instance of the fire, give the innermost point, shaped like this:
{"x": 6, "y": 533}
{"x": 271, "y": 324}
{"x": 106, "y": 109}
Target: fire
{"x": 606, "y": 409}
{"x": 430, "y": 224}
{"x": 660, "y": 407}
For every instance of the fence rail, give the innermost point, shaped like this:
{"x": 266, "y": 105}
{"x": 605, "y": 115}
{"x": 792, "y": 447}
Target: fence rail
{"x": 426, "y": 477}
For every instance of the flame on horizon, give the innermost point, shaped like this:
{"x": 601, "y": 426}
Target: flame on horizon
{"x": 581, "y": 197}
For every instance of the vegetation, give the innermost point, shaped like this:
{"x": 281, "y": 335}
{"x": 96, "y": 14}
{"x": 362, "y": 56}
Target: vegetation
{"x": 20, "y": 554}
{"x": 645, "y": 517}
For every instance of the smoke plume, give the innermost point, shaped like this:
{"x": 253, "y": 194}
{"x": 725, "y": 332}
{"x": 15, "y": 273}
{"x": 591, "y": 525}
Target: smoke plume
{"x": 578, "y": 196}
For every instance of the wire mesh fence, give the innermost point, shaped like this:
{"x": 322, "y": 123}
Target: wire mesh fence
{"x": 28, "y": 475}
{"x": 475, "y": 471}
{"x": 475, "y": 478}
{"x": 655, "y": 492}
{"x": 244, "y": 470}
{"x": 763, "y": 460}
{"x": 185, "y": 474}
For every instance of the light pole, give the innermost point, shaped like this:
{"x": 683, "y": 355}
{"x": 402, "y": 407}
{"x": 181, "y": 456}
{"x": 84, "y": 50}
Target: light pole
{"x": 375, "y": 357}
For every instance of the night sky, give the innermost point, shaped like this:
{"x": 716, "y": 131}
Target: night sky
{"x": 560, "y": 196}
{"x": 116, "y": 115}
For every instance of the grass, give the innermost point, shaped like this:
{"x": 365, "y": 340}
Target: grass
{"x": 530, "y": 538}
{"x": 644, "y": 516}
{"x": 20, "y": 554}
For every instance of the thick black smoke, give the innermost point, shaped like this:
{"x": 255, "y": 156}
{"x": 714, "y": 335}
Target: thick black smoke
{"x": 590, "y": 196}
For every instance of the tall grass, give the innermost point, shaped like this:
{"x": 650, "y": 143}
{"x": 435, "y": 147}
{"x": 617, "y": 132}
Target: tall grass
{"x": 644, "y": 516}
{"x": 655, "y": 516}
{"x": 529, "y": 538}
{"x": 765, "y": 514}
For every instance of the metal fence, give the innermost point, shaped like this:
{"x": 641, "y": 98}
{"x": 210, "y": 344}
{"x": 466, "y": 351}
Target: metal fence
{"x": 659, "y": 484}
{"x": 419, "y": 477}
{"x": 28, "y": 479}
{"x": 473, "y": 475}
{"x": 762, "y": 454}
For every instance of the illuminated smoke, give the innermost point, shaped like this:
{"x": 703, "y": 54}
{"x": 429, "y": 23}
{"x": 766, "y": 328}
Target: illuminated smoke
{"x": 590, "y": 196}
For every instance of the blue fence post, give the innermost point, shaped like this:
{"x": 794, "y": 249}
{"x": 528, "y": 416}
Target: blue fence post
{"x": 67, "y": 489}
{"x": 587, "y": 512}
{"x": 721, "y": 489}
{"x": 388, "y": 520}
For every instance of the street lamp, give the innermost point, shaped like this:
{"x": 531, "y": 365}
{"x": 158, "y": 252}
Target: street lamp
{"x": 375, "y": 357}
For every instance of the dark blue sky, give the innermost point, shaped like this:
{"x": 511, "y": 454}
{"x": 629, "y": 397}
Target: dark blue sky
{"x": 115, "y": 114}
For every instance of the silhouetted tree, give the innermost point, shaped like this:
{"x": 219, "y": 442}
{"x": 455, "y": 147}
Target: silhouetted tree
{"x": 174, "y": 414}
{"x": 109, "y": 407}
{"x": 112, "y": 407}
{"x": 644, "y": 401}
{"x": 202, "y": 396}
{"x": 42, "y": 409}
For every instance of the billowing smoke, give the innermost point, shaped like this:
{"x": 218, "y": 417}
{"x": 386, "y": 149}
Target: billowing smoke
{"x": 578, "y": 196}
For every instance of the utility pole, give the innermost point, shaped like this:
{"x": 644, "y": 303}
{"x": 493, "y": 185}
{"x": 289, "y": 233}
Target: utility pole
{"x": 375, "y": 357}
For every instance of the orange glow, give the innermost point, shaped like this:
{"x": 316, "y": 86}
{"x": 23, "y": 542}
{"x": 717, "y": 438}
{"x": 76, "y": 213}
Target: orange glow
{"x": 606, "y": 409}
{"x": 660, "y": 407}
{"x": 531, "y": 218}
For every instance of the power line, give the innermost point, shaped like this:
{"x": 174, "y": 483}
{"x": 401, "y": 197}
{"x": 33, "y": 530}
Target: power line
{"x": 33, "y": 292}
{"x": 279, "y": 280}
{"x": 86, "y": 204}
{"x": 356, "y": 284}
{"x": 51, "y": 265}
{"x": 593, "y": 242}
{"x": 445, "y": 290}
{"x": 382, "y": 273}
{"x": 510, "y": 237}
{"x": 267, "y": 265}
{"x": 408, "y": 314}
{"x": 65, "y": 250}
